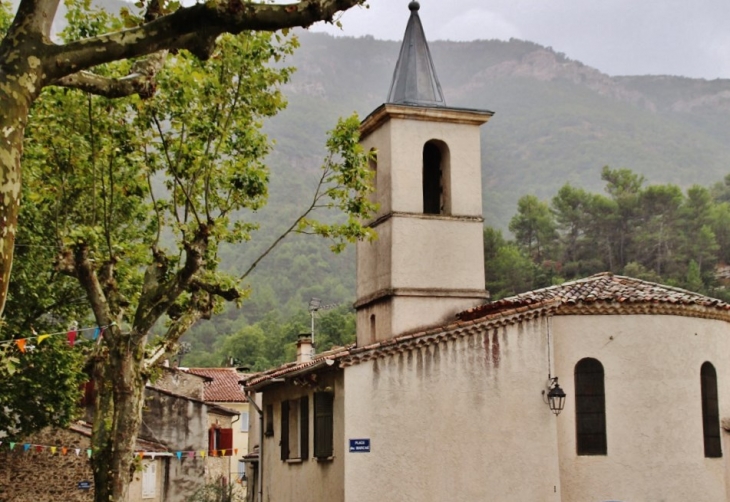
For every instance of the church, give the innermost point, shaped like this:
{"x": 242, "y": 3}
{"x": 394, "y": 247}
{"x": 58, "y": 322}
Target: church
{"x": 607, "y": 388}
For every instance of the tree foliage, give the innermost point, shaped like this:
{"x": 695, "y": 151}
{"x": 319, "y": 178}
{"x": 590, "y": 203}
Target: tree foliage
{"x": 653, "y": 232}
{"x": 138, "y": 195}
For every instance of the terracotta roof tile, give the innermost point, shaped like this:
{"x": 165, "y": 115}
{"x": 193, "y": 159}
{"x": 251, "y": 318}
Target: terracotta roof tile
{"x": 223, "y": 387}
{"x": 599, "y": 288}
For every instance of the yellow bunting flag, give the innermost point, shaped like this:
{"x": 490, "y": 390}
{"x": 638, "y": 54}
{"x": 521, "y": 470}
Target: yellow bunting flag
{"x": 223, "y": 453}
{"x": 42, "y": 337}
{"x": 53, "y": 450}
{"x": 202, "y": 453}
{"x": 21, "y": 344}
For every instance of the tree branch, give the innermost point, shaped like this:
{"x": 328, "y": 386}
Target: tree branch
{"x": 193, "y": 28}
{"x": 141, "y": 79}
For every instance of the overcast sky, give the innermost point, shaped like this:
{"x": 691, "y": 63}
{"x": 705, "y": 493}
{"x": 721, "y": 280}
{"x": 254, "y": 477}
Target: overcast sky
{"x": 618, "y": 37}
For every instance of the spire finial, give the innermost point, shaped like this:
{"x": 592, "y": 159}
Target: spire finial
{"x": 414, "y": 6}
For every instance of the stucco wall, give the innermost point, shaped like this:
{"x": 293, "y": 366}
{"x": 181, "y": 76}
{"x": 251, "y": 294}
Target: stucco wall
{"x": 310, "y": 480}
{"x": 653, "y": 407}
{"x": 462, "y": 420}
{"x": 182, "y": 425}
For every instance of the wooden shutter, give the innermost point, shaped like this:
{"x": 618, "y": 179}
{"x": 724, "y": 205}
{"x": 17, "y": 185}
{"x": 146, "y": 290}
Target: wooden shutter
{"x": 323, "y": 424}
{"x": 211, "y": 440}
{"x": 284, "y": 430}
{"x": 149, "y": 480}
{"x": 710, "y": 411}
{"x": 226, "y": 441}
{"x": 269, "y": 431}
{"x": 304, "y": 427}
{"x": 590, "y": 408}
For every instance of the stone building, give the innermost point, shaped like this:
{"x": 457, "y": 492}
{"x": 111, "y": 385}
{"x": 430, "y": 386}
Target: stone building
{"x": 605, "y": 388}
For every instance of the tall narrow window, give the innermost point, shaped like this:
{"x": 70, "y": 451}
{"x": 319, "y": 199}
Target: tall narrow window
{"x": 323, "y": 424}
{"x": 590, "y": 408}
{"x": 295, "y": 429}
{"x": 710, "y": 411}
{"x": 431, "y": 178}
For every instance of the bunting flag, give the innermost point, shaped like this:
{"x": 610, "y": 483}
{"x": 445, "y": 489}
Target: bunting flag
{"x": 53, "y": 450}
{"x": 191, "y": 454}
{"x": 21, "y": 344}
{"x": 64, "y": 450}
{"x": 77, "y": 450}
{"x": 203, "y": 453}
{"x": 39, "y": 448}
{"x": 88, "y": 452}
{"x": 71, "y": 336}
{"x": 26, "y": 447}
{"x": 96, "y": 334}
{"x": 42, "y": 337}
{"x": 179, "y": 455}
{"x": 12, "y": 446}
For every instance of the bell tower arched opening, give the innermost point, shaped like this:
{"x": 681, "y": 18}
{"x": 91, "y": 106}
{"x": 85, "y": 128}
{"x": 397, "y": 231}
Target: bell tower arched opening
{"x": 436, "y": 179}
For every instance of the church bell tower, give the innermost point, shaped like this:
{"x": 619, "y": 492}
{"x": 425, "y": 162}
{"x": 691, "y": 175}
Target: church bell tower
{"x": 427, "y": 263}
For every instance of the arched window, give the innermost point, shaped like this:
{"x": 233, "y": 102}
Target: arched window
{"x": 436, "y": 178}
{"x": 590, "y": 408}
{"x": 710, "y": 411}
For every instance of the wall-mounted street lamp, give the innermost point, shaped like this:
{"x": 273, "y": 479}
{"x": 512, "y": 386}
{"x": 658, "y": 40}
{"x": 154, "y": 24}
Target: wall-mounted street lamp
{"x": 555, "y": 396}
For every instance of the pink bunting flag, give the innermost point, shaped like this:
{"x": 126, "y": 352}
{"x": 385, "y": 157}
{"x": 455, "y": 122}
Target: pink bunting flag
{"x": 191, "y": 454}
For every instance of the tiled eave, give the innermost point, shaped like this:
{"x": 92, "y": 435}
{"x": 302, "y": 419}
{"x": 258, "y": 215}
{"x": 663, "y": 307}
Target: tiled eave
{"x": 353, "y": 355}
{"x": 349, "y": 356}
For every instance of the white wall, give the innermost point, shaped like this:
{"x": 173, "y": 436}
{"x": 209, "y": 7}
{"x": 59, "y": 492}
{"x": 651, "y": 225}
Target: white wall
{"x": 463, "y": 420}
{"x": 653, "y": 407}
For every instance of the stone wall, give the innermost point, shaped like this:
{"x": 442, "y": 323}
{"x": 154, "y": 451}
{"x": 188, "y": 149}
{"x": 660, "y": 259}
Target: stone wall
{"x": 34, "y": 476}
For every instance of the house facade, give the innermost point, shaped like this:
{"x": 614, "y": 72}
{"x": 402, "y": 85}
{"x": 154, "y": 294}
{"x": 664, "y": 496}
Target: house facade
{"x": 445, "y": 395}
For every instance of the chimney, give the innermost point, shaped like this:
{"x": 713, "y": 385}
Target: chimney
{"x": 305, "y": 349}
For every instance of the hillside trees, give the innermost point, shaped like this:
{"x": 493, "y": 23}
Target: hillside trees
{"x": 138, "y": 195}
{"x": 654, "y": 232}
{"x": 30, "y": 61}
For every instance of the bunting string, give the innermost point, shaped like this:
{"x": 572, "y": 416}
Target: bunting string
{"x": 88, "y": 452}
{"x": 72, "y": 335}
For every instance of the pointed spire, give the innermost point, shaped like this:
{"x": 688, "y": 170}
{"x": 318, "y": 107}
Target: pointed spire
{"x": 414, "y": 80}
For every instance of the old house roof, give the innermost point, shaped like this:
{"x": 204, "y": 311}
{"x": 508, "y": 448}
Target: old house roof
{"x": 600, "y": 294}
{"x": 223, "y": 386}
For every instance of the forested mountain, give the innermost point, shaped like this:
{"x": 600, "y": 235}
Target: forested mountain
{"x": 556, "y": 121}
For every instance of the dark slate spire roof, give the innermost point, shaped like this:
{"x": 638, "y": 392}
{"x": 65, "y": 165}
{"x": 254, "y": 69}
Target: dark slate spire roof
{"x": 414, "y": 80}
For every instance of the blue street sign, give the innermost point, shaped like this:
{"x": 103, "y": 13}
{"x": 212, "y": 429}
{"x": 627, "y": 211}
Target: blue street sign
{"x": 84, "y": 485}
{"x": 360, "y": 445}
